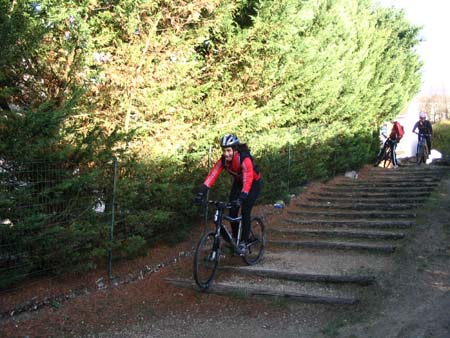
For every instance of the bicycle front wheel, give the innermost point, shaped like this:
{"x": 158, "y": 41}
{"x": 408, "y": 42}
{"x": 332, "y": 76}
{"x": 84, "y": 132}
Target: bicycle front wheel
{"x": 256, "y": 240}
{"x": 206, "y": 260}
{"x": 422, "y": 154}
{"x": 380, "y": 157}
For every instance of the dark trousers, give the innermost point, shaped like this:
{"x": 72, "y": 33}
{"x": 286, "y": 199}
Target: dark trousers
{"x": 246, "y": 208}
{"x": 428, "y": 139}
{"x": 393, "y": 146}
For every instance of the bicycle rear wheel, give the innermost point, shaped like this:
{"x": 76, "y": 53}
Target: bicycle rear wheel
{"x": 256, "y": 240}
{"x": 206, "y": 260}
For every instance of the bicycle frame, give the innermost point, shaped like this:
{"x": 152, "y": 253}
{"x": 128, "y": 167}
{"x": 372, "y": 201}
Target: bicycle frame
{"x": 219, "y": 216}
{"x": 422, "y": 140}
{"x": 208, "y": 250}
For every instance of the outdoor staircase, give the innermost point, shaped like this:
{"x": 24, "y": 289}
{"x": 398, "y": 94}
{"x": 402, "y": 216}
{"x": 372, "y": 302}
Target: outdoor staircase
{"x": 333, "y": 243}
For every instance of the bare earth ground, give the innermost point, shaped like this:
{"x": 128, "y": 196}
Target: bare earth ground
{"x": 411, "y": 299}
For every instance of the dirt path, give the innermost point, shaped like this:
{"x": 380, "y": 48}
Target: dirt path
{"x": 338, "y": 266}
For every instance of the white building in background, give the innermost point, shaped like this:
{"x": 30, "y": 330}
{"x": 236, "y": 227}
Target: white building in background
{"x": 408, "y": 144}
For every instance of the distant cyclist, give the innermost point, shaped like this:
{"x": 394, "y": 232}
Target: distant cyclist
{"x": 391, "y": 142}
{"x": 236, "y": 159}
{"x": 423, "y": 127}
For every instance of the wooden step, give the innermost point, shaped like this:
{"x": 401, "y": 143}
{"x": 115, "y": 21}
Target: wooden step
{"x": 382, "y": 200}
{"x": 375, "y": 189}
{"x": 355, "y": 206}
{"x": 383, "y": 184}
{"x": 411, "y": 171}
{"x": 366, "y": 195}
{"x": 375, "y": 224}
{"x": 389, "y": 181}
{"x": 233, "y": 289}
{"x": 304, "y": 277}
{"x": 353, "y": 215}
{"x": 334, "y": 245}
{"x": 346, "y": 233}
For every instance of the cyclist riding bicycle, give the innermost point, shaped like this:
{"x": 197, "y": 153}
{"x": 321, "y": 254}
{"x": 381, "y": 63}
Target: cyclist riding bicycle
{"x": 392, "y": 141}
{"x": 246, "y": 187}
{"x": 424, "y": 128}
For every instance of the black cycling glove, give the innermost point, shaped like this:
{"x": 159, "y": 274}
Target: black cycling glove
{"x": 201, "y": 195}
{"x": 238, "y": 202}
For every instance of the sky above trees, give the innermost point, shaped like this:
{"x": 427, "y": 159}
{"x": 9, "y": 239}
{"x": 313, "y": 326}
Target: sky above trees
{"x": 432, "y": 15}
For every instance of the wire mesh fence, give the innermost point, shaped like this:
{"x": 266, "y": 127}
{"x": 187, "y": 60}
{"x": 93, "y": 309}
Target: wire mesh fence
{"x": 63, "y": 217}
{"x": 49, "y": 211}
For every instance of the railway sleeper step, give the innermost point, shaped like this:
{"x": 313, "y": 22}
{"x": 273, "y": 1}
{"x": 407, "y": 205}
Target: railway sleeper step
{"x": 381, "y": 207}
{"x": 345, "y": 233}
{"x": 353, "y": 215}
{"x": 374, "y": 224}
{"x": 335, "y": 245}
{"x": 385, "y": 190}
{"x": 394, "y": 179}
{"x": 408, "y": 194}
{"x": 414, "y": 201}
{"x": 412, "y": 172}
{"x": 399, "y": 183}
{"x": 250, "y": 290}
{"x": 363, "y": 280}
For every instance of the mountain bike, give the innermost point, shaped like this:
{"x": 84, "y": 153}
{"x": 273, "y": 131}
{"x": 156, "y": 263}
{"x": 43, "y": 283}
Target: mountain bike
{"x": 422, "y": 149}
{"x": 384, "y": 155}
{"x": 210, "y": 245}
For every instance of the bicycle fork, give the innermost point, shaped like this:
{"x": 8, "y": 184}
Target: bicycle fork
{"x": 214, "y": 255}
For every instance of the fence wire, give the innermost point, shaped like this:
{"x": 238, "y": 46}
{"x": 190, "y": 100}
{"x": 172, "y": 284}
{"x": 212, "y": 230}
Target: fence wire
{"x": 60, "y": 217}
{"x": 48, "y": 211}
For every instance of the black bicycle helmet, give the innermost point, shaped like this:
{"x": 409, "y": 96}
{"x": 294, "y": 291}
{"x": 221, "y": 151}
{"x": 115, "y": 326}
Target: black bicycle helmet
{"x": 229, "y": 140}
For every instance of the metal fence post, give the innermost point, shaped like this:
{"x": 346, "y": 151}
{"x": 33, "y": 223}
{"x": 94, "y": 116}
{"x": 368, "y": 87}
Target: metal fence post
{"x": 289, "y": 169}
{"x": 335, "y": 155}
{"x": 207, "y": 193}
{"x": 113, "y": 209}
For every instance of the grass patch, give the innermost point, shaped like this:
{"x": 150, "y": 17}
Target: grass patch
{"x": 441, "y": 136}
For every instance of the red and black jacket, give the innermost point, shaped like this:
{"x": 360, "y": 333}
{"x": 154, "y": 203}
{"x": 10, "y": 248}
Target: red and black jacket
{"x": 240, "y": 167}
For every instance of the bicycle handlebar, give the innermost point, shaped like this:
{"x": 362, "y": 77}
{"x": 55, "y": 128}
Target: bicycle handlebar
{"x": 220, "y": 204}
{"x": 217, "y": 204}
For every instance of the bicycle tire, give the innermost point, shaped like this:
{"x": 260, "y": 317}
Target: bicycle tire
{"x": 387, "y": 159}
{"x": 257, "y": 241}
{"x": 206, "y": 261}
{"x": 380, "y": 157}
{"x": 422, "y": 154}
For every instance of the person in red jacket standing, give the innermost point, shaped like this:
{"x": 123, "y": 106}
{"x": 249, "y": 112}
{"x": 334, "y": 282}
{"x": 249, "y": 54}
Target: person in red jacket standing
{"x": 394, "y": 138}
{"x": 238, "y": 162}
{"x": 396, "y": 135}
